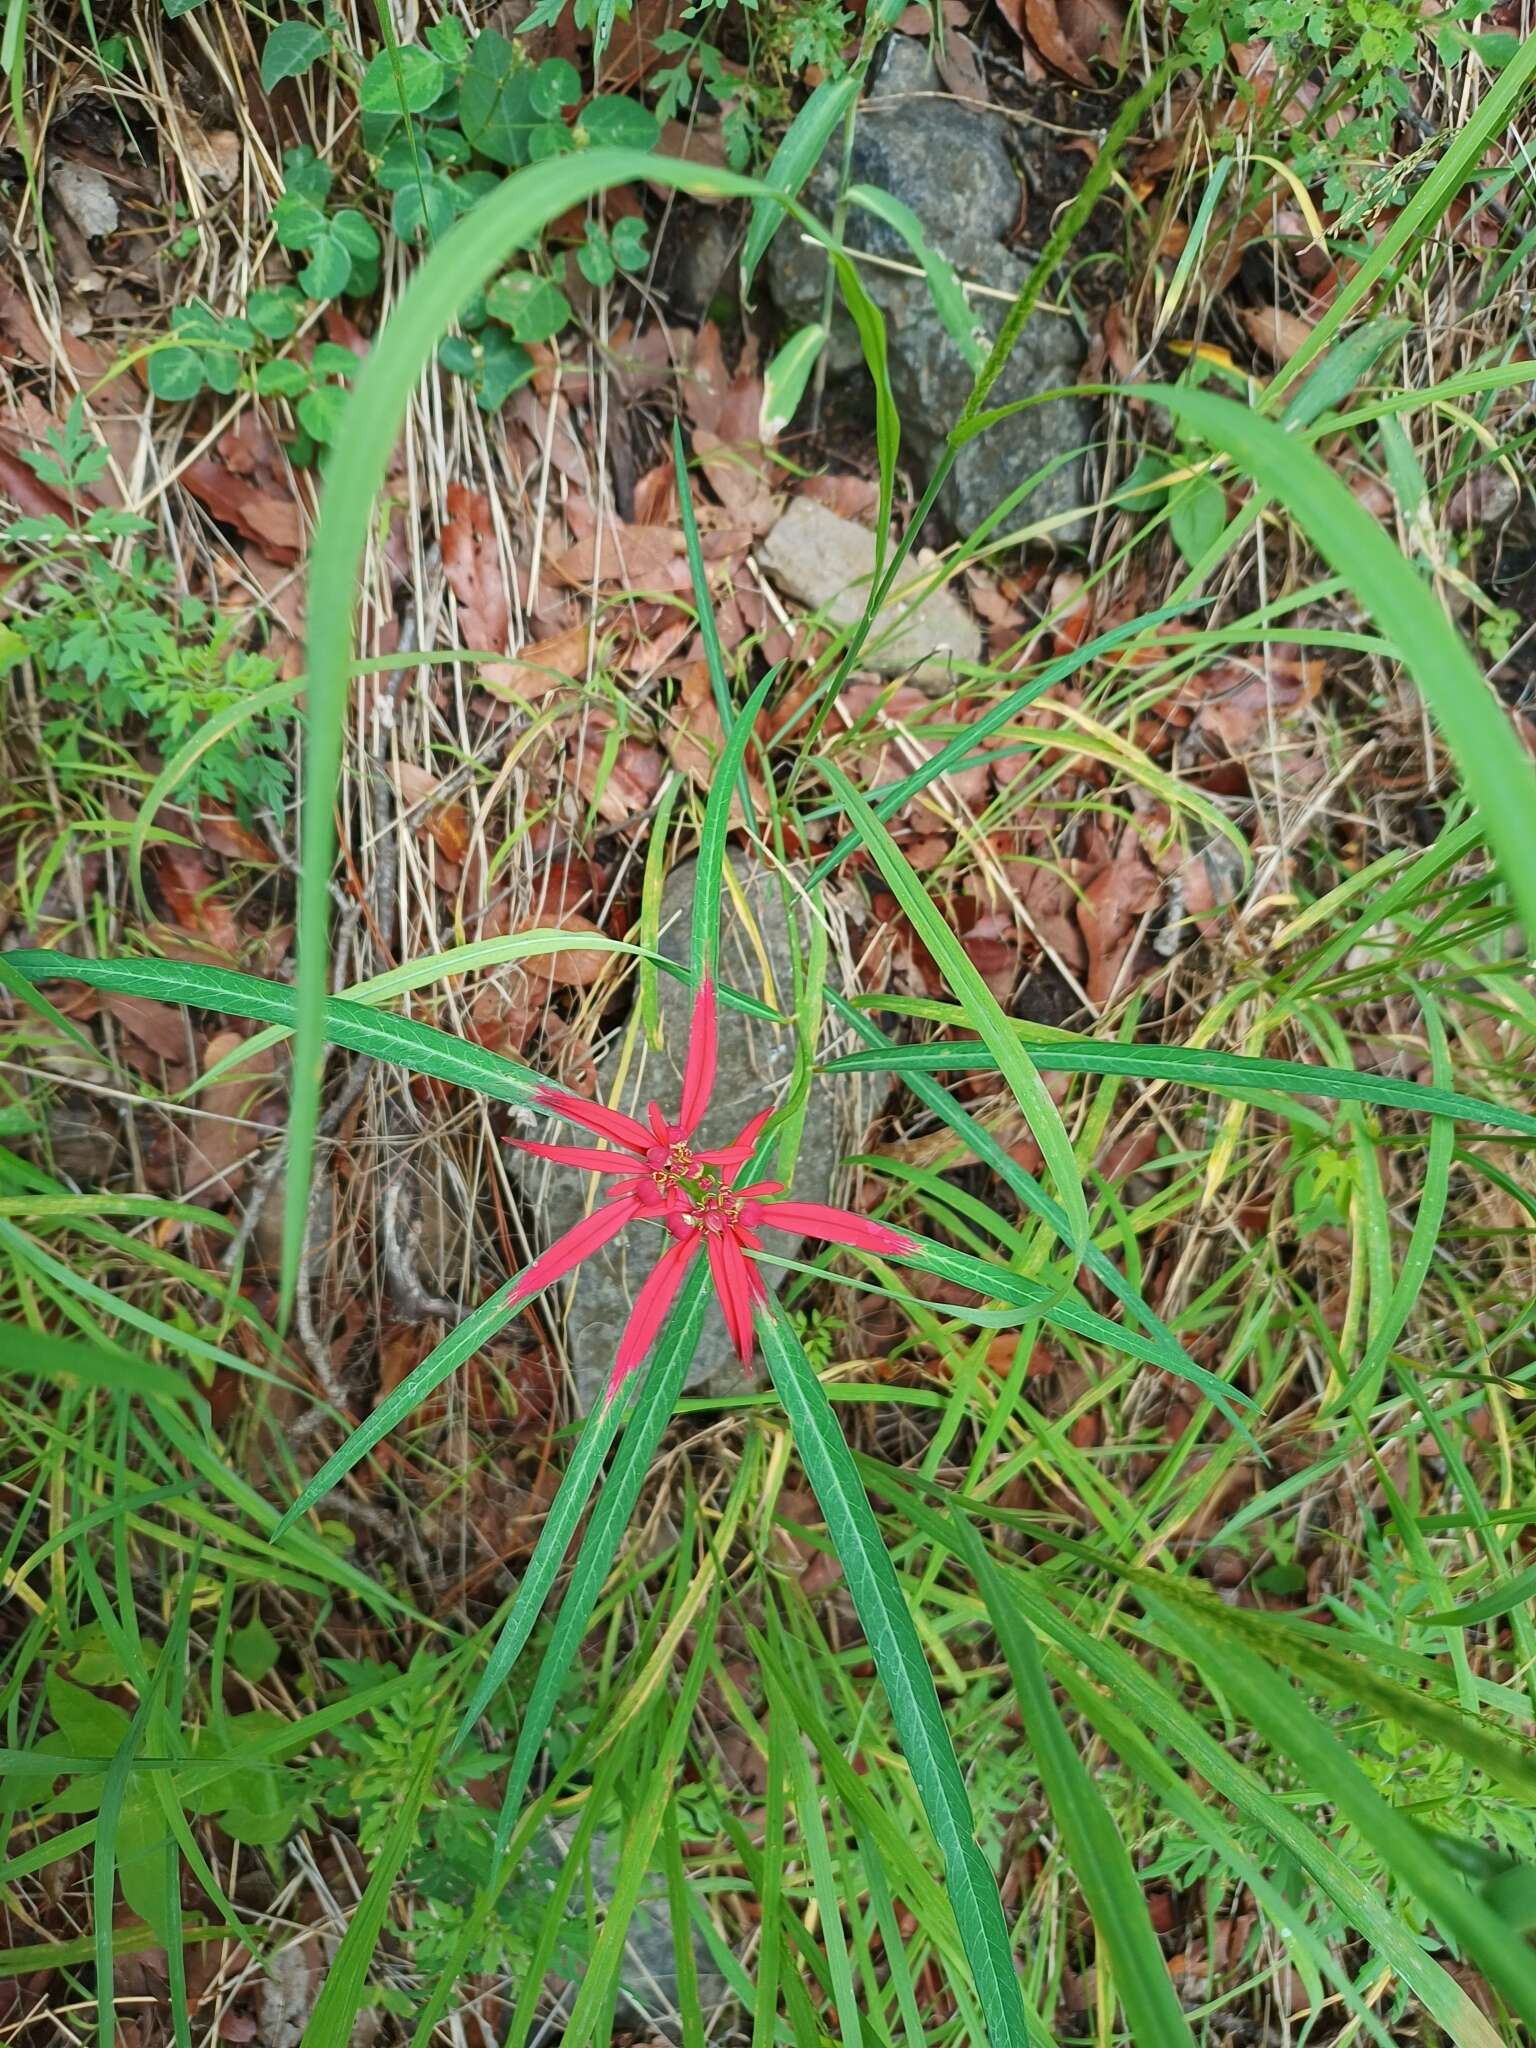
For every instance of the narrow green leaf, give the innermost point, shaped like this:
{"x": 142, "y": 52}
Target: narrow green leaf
{"x": 793, "y": 162}
{"x": 1095, "y": 1852}
{"x": 661, "y": 1383}
{"x": 1275, "y": 1710}
{"x": 559, "y": 1525}
{"x": 460, "y": 1344}
{"x": 462, "y": 263}
{"x": 786, "y": 377}
{"x": 898, "y": 1653}
{"x": 1499, "y": 777}
{"x": 949, "y": 300}
{"x": 709, "y": 868}
{"x": 34, "y": 1352}
{"x": 341, "y": 1996}
{"x": 1014, "y": 1062}
{"x": 419, "y": 1047}
{"x": 1195, "y": 1067}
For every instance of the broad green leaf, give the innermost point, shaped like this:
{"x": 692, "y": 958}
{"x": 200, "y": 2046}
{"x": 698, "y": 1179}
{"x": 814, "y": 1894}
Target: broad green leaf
{"x": 1197, "y": 512}
{"x": 290, "y": 50}
{"x": 612, "y": 121}
{"x": 496, "y": 107}
{"x": 898, "y": 1653}
{"x": 401, "y": 80}
{"x": 176, "y": 374}
{"x": 533, "y": 307}
{"x": 981, "y": 1007}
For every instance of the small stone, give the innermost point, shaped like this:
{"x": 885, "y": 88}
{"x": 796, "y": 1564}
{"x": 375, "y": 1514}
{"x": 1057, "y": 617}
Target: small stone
{"x": 828, "y": 562}
{"x": 85, "y": 196}
{"x": 754, "y": 1070}
{"x": 700, "y": 271}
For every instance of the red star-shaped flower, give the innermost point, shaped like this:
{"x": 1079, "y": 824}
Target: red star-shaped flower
{"x": 692, "y": 1193}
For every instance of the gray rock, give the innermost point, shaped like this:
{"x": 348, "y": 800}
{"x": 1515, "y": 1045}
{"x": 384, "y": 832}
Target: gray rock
{"x": 829, "y": 563}
{"x": 952, "y": 166}
{"x": 756, "y": 1065}
{"x": 700, "y": 270}
{"x": 648, "y": 1992}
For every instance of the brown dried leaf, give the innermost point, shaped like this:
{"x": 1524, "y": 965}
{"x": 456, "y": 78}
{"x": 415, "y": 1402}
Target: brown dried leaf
{"x": 223, "y": 833}
{"x": 1278, "y": 333}
{"x": 226, "y": 1134}
{"x": 628, "y": 557}
{"x": 472, "y": 565}
{"x": 1113, "y": 903}
{"x": 188, "y": 886}
{"x": 157, "y": 1025}
{"x": 575, "y": 969}
{"x": 960, "y": 66}
{"x": 271, "y": 521}
{"x": 445, "y": 824}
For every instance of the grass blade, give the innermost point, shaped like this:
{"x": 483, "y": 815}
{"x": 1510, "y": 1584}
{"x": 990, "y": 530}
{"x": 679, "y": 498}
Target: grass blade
{"x": 420, "y": 1047}
{"x": 1095, "y": 1851}
{"x": 979, "y": 1003}
{"x": 898, "y": 1654}
{"x": 460, "y": 1344}
{"x": 1499, "y": 777}
{"x": 793, "y": 162}
{"x": 1273, "y": 1707}
{"x": 341, "y": 1996}
{"x": 559, "y": 1525}
{"x": 1195, "y": 1067}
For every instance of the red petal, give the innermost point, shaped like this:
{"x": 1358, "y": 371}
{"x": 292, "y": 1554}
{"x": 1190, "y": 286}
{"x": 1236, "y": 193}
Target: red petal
{"x": 699, "y": 1071}
{"x": 578, "y": 1243}
{"x": 836, "y": 1226}
{"x": 741, "y": 1146}
{"x": 584, "y": 1156}
{"x": 596, "y": 1116}
{"x": 733, "y": 1280}
{"x": 650, "y": 1310}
